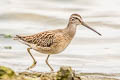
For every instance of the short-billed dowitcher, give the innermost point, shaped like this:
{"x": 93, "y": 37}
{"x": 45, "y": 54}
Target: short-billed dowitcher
{"x": 53, "y": 41}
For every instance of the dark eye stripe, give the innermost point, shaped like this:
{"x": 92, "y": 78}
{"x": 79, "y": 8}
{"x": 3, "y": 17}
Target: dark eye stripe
{"x": 76, "y": 18}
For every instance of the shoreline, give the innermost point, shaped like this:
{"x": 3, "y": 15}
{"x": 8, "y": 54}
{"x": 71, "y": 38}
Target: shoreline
{"x": 64, "y": 73}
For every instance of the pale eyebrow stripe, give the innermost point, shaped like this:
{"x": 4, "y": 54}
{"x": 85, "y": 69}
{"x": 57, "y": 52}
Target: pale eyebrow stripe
{"x": 77, "y": 18}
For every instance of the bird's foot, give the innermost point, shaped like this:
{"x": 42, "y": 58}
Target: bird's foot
{"x": 32, "y": 66}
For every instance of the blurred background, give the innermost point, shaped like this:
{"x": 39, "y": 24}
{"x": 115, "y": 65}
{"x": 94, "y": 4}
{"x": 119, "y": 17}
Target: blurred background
{"x": 88, "y": 52}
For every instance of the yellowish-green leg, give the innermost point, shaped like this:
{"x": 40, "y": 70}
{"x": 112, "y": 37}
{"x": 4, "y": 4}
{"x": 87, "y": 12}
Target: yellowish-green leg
{"x": 34, "y": 61}
{"x": 48, "y": 63}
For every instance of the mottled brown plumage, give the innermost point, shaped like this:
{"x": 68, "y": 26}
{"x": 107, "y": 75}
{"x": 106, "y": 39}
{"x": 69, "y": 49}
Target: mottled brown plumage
{"x": 53, "y": 41}
{"x": 43, "y": 39}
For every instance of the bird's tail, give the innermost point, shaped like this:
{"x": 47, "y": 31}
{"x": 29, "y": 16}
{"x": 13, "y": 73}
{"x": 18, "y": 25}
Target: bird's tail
{"x": 17, "y": 37}
{"x": 21, "y": 39}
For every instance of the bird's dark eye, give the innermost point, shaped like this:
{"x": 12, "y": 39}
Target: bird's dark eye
{"x": 72, "y": 19}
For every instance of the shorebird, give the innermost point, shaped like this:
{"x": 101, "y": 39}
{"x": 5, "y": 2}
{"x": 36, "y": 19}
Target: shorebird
{"x": 53, "y": 41}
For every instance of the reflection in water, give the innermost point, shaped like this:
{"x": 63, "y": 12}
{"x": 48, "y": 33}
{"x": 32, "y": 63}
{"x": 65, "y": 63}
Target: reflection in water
{"x": 88, "y": 51}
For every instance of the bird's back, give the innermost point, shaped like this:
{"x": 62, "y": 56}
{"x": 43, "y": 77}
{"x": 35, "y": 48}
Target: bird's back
{"x": 48, "y": 42}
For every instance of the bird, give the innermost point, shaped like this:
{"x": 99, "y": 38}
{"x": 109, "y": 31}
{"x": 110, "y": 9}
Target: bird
{"x": 52, "y": 41}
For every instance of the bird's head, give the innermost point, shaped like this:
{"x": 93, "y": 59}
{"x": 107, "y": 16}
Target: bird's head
{"x": 76, "y": 19}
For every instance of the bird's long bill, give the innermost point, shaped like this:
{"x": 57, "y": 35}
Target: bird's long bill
{"x": 84, "y": 24}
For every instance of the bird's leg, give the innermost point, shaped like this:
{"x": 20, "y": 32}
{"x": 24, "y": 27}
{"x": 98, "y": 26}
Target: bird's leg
{"x": 34, "y": 61}
{"x": 48, "y": 63}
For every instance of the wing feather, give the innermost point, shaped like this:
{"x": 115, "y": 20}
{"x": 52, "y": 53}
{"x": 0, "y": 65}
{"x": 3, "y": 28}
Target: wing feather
{"x": 43, "y": 39}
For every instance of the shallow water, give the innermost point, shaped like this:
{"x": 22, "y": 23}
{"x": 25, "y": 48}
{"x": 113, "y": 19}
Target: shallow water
{"x": 88, "y": 52}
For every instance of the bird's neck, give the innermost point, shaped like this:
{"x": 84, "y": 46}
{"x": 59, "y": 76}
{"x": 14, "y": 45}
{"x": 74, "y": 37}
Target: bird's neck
{"x": 71, "y": 29}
